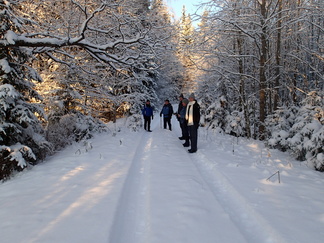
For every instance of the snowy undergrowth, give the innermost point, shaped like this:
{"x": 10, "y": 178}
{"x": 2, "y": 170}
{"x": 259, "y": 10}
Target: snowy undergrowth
{"x": 300, "y": 130}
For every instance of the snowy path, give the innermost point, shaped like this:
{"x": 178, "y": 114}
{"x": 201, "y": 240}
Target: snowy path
{"x": 146, "y": 188}
{"x": 169, "y": 193}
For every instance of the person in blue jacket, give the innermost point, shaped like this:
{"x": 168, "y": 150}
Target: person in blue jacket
{"x": 167, "y": 112}
{"x": 147, "y": 112}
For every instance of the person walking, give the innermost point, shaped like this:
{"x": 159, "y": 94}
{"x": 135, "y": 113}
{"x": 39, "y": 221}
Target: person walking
{"x": 167, "y": 112}
{"x": 183, "y": 123}
{"x": 180, "y": 107}
{"x": 147, "y": 112}
{"x": 193, "y": 119}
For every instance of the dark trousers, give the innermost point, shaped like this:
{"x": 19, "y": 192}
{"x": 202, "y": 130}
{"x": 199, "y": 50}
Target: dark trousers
{"x": 185, "y": 132}
{"x": 193, "y": 133}
{"x": 183, "y": 129}
{"x": 147, "y": 122}
{"x": 167, "y": 120}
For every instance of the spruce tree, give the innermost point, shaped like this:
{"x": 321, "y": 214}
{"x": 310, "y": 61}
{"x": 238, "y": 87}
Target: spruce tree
{"x": 21, "y": 135}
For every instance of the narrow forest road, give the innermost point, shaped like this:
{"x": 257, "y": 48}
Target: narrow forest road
{"x": 141, "y": 187}
{"x": 166, "y": 199}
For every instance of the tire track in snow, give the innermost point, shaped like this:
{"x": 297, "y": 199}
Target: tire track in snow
{"x": 251, "y": 224}
{"x": 132, "y": 218}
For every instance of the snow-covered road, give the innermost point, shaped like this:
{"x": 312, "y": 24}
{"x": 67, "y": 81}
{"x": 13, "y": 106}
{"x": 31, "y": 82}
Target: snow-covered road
{"x": 140, "y": 187}
{"x": 166, "y": 199}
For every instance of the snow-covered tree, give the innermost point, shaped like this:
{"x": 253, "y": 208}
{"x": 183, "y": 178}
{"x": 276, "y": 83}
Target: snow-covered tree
{"x": 264, "y": 59}
{"x": 306, "y": 140}
{"x": 169, "y": 71}
{"x": 22, "y": 139}
{"x": 300, "y": 130}
{"x": 94, "y": 57}
{"x": 185, "y": 53}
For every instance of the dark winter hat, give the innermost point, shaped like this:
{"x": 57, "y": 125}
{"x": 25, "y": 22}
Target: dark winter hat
{"x": 181, "y": 96}
{"x": 186, "y": 101}
{"x": 192, "y": 95}
{"x": 148, "y": 101}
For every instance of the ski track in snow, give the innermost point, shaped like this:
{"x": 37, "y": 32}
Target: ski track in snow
{"x": 252, "y": 225}
{"x": 131, "y": 222}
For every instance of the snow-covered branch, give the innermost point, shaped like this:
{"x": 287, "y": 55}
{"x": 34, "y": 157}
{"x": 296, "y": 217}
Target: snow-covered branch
{"x": 107, "y": 44}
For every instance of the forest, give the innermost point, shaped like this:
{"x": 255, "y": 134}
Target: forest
{"x": 68, "y": 67}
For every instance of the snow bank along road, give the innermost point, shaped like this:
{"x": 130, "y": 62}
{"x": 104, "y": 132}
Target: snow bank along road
{"x": 141, "y": 188}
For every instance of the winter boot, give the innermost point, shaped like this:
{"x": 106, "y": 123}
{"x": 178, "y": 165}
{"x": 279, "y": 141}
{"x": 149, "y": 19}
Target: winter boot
{"x": 186, "y": 144}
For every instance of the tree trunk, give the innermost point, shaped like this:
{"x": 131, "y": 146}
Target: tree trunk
{"x": 262, "y": 75}
{"x": 243, "y": 103}
{"x": 278, "y": 56}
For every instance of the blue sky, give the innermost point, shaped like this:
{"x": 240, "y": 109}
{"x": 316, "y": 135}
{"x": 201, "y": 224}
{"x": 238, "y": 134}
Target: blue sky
{"x": 176, "y": 5}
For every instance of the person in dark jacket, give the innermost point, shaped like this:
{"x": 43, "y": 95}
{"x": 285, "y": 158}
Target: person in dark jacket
{"x": 147, "y": 112}
{"x": 183, "y": 123}
{"x": 167, "y": 112}
{"x": 180, "y": 106}
{"x": 193, "y": 119}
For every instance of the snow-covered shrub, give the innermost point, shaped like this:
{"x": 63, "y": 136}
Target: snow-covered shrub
{"x": 300, "y": 130}
{"x": 87, "y": 126}
{"x": 307, "y": 141}
{"x": 63, "y": 130}
{"x": 235, "y": 124}
{"x": 134, "y": 122}
{"x": 218, "y": 117}
{"x": 278, "y": 126}
{"x": 303, "y": 129}
{"x": 14, "y": 158}
{"x": 215, "y": 115}
{"x": 19, "y": 123}
{"x": 315, "y": 154}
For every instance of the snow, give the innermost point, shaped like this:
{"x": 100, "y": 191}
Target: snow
{"x": 5, "y": 65}
{"x": 17, "y": 153}
{"x": 11, "y": 36}
{"x": 7, "y": 90}
{"x": 140, "y": 187}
